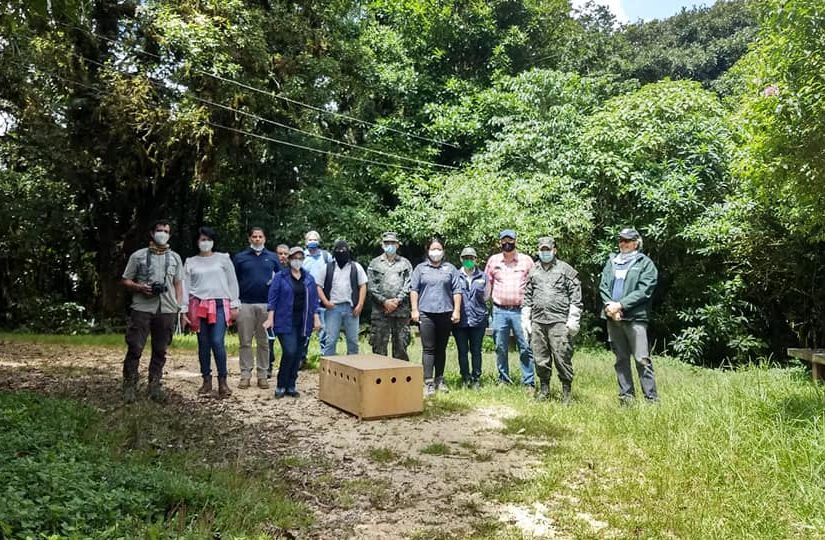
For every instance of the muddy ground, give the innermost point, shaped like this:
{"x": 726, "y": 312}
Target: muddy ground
{"x": 429, "y": 475}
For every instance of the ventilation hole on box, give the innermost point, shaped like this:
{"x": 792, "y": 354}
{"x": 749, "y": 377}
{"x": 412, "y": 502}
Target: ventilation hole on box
{"x": 342, "y": 374}
{"x": 409, "y": 379}
{"x": 347, "y": 377}
{"x": 393, "y": 380}
{"x": 377, "y": 381}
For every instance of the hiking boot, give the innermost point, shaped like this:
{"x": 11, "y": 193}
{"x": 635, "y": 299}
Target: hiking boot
{"x": 429, "y": 388}
{"x": 263, "y": 384}
{"x": 223, "y": 388}
{"x": 206, "y": 387}
{"x": 244, "y": 383}
{"x": 566, "y": 393}
{"x": 279, "y": 393}
{"x": 156, "y": 392}
{"x": 441, "y": 386}
{"x": 293, "y": 393}
{"x": 475, "y": 385}
{"x": 544, "y": 392}
{"x": 129, "y": 391}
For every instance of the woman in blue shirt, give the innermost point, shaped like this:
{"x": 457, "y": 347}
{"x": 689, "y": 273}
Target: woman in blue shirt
{"x": 435, "y": 298}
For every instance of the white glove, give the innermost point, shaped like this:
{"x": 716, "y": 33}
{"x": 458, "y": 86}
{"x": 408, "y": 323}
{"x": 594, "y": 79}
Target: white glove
{"x": 573, "y": 320}
{"x": 526, "y": 326}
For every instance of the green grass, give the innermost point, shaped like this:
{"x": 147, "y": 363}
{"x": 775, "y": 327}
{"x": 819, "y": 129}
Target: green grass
{"x": 726, "y": 454}
{"x": 436, "y": 449}
{"x": 68, "y": 472}
{"x": 383, "y": 455}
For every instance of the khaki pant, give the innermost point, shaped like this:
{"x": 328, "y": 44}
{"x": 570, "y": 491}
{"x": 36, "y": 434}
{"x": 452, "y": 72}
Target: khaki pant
{"x": 552, "y": 345}
{"x": 250, "y": 324}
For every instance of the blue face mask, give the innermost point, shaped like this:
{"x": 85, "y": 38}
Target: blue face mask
{"x": 546, "y": 256}
{"x": 313, "y": 245}
{"x": 390, "y": 249}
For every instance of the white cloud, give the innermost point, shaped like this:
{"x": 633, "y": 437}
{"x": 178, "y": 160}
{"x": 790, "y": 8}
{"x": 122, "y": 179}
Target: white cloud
{"x": 615, "y": 7}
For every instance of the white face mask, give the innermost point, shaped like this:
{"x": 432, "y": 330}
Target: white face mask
{"x": 296, "y": 264}
{"x": 205, "y": 245}
{"x": 160, "y": 237}
{"x": 435, "y": 254}
{"x": 257, "y": 248}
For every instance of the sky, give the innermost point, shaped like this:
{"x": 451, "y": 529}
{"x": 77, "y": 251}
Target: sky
{"x": 633, "y": 10}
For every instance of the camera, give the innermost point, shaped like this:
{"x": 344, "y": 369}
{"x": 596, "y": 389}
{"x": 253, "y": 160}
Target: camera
{"x": 158, "y": 288}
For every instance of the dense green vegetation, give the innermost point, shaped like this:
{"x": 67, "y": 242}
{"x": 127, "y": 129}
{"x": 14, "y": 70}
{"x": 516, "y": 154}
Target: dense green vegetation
{"x": 66, "y": 470}
{"x": 705, "y": 131}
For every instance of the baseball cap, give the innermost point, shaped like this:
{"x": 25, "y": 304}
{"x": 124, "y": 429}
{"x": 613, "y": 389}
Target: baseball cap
{"x": 507, "y": 232}
{"x": 629, "y": 234}
{"x": 389, "y": 237}
{"x": 547, "y": 241}
{"x": 294, "y": 250}
{"x": 468, "y": 252}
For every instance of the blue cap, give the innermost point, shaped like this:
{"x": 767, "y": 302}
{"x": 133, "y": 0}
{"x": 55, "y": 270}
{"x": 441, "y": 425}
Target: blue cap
{"x": 507, "y": 232}
{"x": 629, "y": 234}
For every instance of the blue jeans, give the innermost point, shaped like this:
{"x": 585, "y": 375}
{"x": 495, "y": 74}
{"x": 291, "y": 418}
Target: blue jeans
{"x": 503, "y": 321}
{"x": 468, "y": 340}
{"x": 336, "y": 318}
{"x": 290, "y": 357}
{"x": 322, "y": 337}
{"x": 210, "y": 340}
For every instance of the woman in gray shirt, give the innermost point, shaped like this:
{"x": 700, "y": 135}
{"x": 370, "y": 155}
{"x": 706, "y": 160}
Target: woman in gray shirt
{"x": 435, "y": 298}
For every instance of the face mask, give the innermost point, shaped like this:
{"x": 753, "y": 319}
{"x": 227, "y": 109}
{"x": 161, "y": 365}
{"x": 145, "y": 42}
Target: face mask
{"x": 205, "y": 245}
{"x": 508, "y": 246}
{"x": 469, "y": 264}
{"x": 390, "y": 249}
{"x": 257, "y": 248}
{"x": 296, "y": 264}
{"x": 546, "y": 256}
{"x": 160, "y": 238}
{"x": 342, "y": 258}
{"x": 435, "y": 254}
{"x": 313, "y": 245}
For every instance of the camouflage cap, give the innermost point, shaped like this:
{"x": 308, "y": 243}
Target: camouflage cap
{"x": 389, "y": 237}
{"x": 547, "y": 241}
{"x": 468, "y": 252}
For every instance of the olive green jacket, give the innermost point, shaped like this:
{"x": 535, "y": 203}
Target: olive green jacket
{"x": 638, "y": 290}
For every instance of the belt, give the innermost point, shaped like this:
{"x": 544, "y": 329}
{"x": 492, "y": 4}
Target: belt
{"x": 507, "y": 308}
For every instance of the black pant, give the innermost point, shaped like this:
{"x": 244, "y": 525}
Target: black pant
{"x": 468, "y": 340}
{"x": 435, "y": 333}
{"x": 139, "y": 326}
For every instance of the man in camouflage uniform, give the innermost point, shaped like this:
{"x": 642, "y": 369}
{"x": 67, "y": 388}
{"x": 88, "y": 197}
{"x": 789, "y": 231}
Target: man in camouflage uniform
{"x": 551, "y": 313}
{"x": 389, "y": 288}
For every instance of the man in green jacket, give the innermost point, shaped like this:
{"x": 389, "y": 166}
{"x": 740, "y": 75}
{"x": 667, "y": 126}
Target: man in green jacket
{"x": 626, "y": 289}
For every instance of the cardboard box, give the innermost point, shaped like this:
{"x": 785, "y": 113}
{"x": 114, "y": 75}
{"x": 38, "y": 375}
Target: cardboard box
{"x": 371, "y": 386}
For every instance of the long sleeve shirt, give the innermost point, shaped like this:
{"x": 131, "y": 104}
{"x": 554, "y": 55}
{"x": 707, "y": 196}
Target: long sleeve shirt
{"x": 208, "y": 278}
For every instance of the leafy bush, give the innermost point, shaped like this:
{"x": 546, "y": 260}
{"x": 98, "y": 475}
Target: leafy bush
{"x": 58, "y": 478}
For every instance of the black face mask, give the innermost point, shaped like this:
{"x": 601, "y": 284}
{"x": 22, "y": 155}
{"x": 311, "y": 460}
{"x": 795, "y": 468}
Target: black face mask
{"x": 508, "y": 246}
{"x": 341, "y": 257}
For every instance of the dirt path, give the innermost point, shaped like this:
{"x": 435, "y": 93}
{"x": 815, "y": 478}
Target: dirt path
{"x": 363, "y": 479}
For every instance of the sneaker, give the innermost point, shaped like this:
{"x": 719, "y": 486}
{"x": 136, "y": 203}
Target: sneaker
{"x": 293, "y": 393}
{"x": 279, "y": 393}
{"x": 429, "y": 389}
{"x": 244, "y": 383}
{"x": 475, "y": 385}
{"x": 441, "y": 386}
{"x": 263, "y": 384}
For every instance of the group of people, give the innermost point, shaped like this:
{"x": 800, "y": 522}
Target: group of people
{"x": 295, "y": 291}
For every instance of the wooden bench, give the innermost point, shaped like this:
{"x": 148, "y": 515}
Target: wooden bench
{"x": 815, "y": 357}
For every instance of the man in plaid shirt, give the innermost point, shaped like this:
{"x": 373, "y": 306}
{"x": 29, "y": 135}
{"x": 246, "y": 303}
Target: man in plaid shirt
{"x": 506, "y": 277}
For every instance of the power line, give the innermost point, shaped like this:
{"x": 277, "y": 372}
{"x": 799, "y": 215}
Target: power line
{"x": 275, "y": 123}
{"x": 258, "y": 136}
{"x": 265, "y": 92}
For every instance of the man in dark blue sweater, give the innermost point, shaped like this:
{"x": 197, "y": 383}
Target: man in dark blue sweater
{"x": 254, "y": 267}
